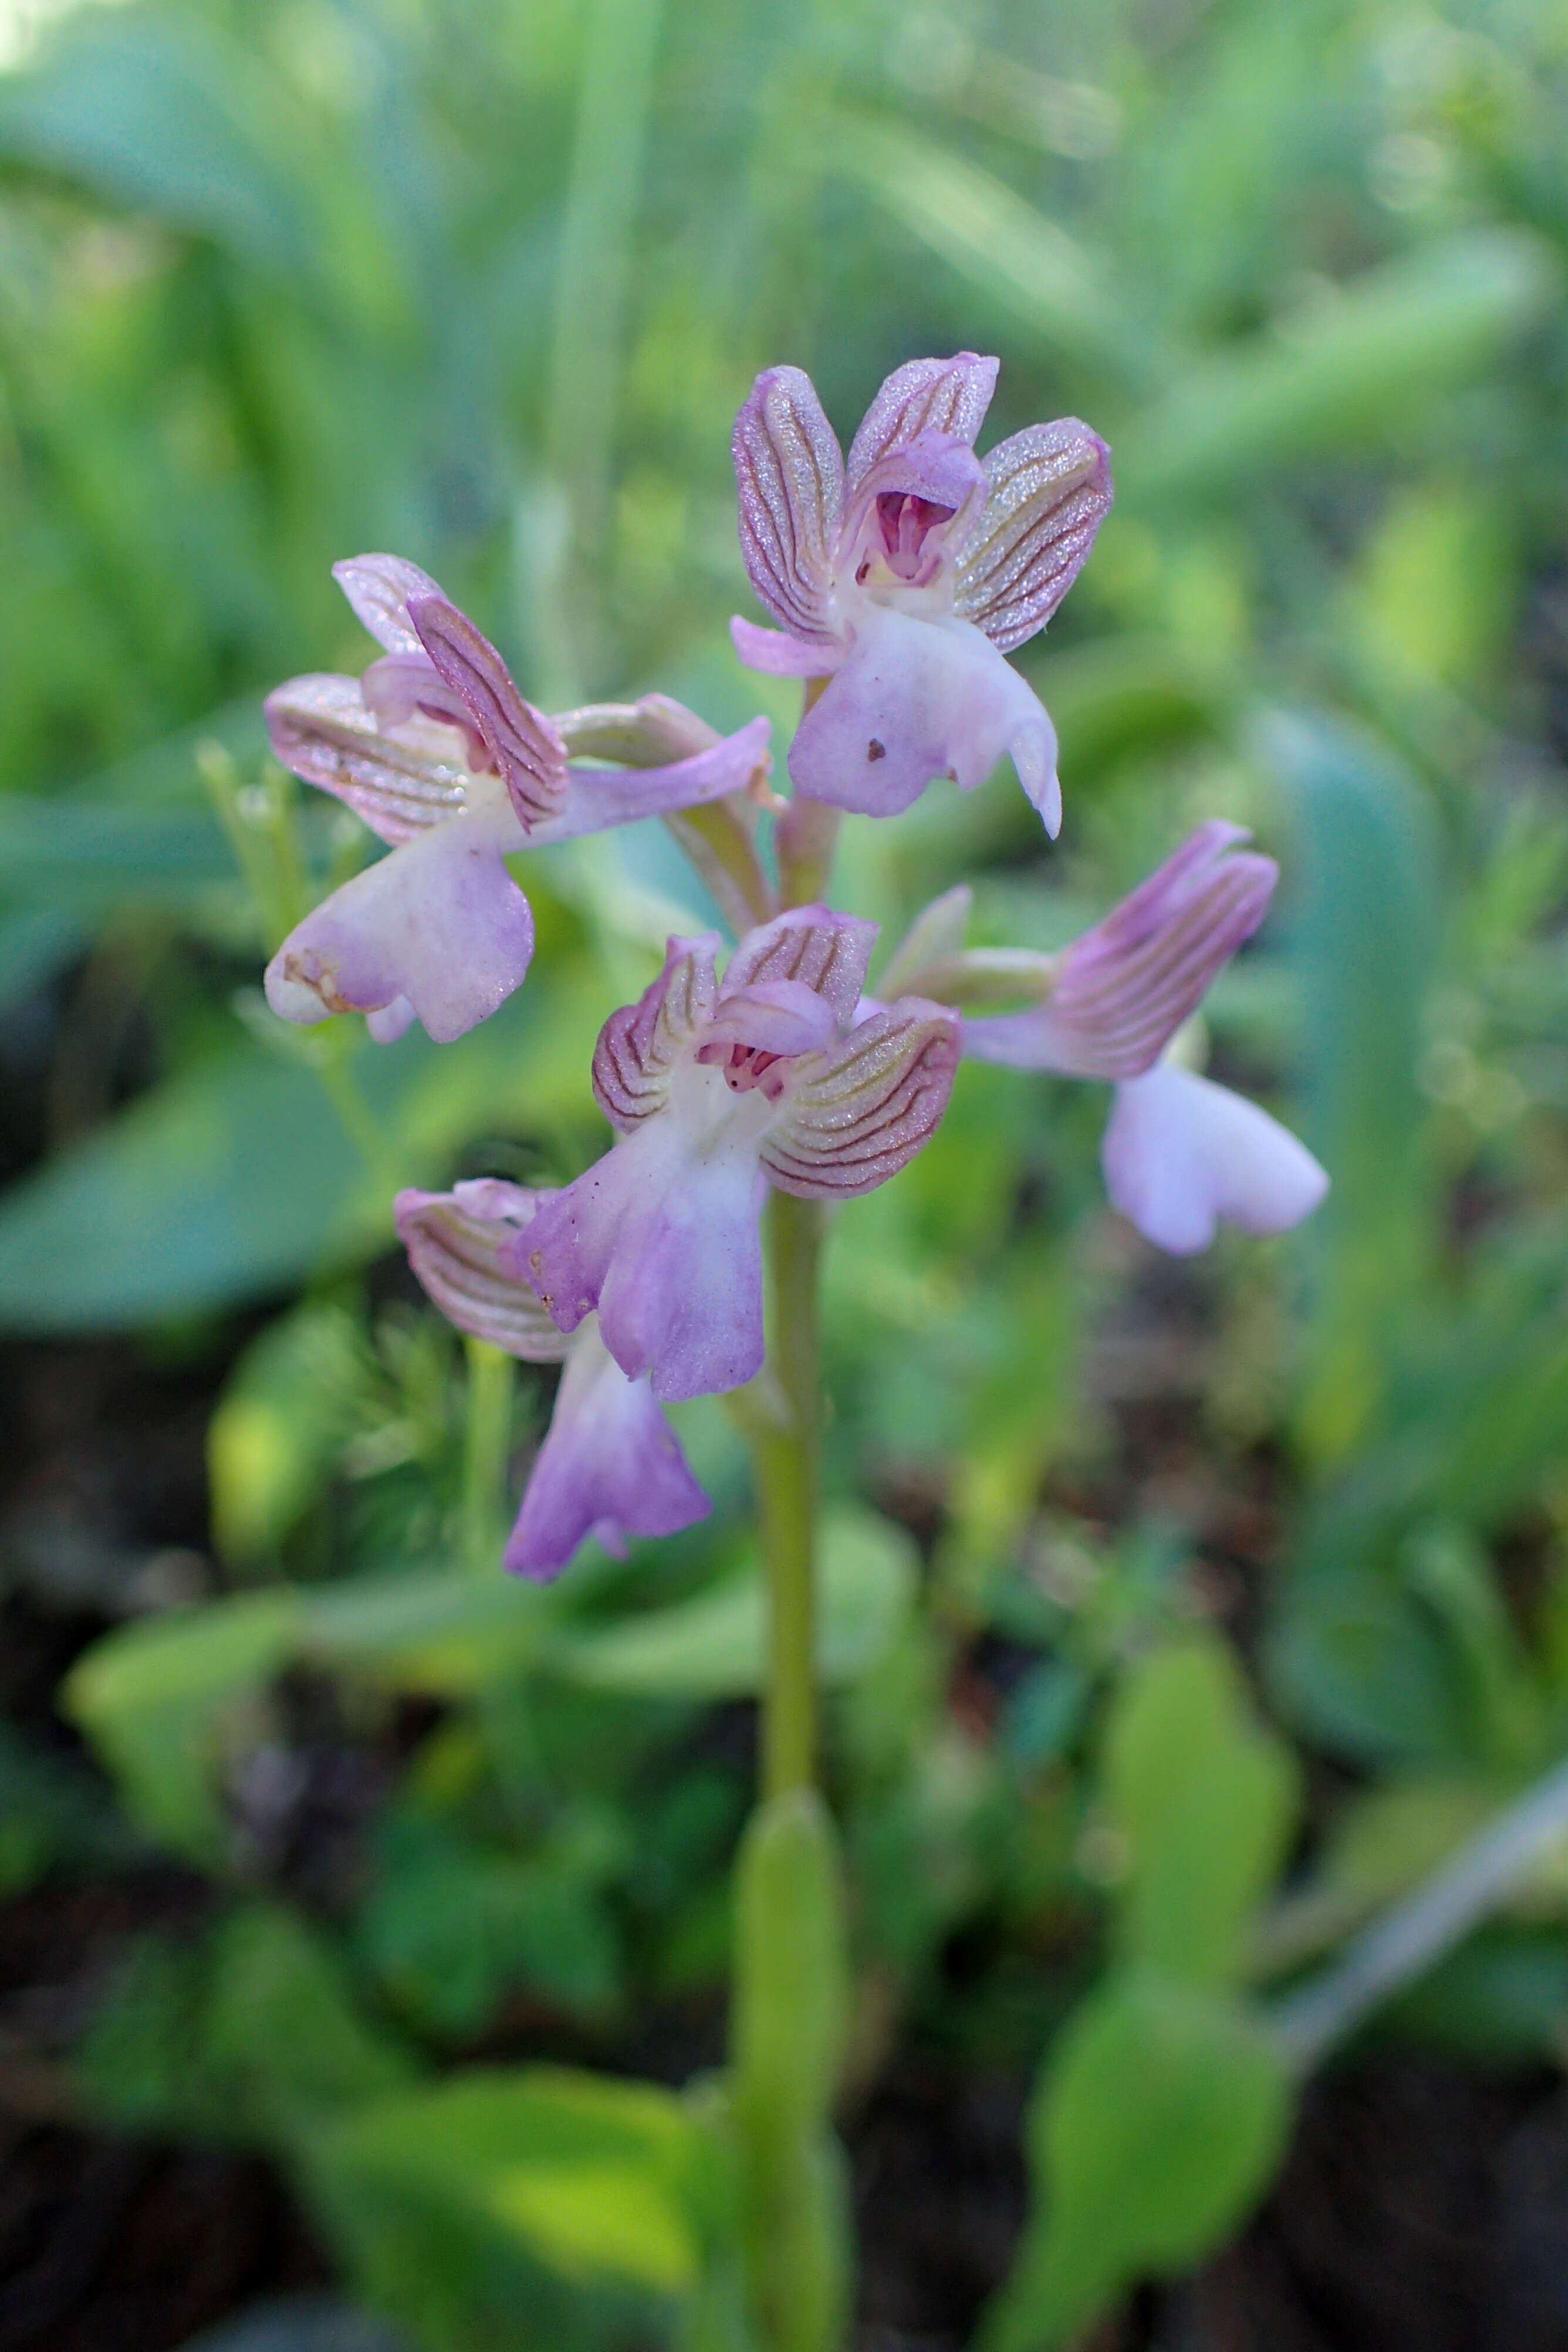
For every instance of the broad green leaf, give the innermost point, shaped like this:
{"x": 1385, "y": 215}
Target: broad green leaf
{"x": 83, "y": 856}
{"x": 154, "y": 1698}
{"x": 713, "y": 1645}
{"x": 230, "y": 1179}
{"x": 1161, "y": 2116}
{"x": 1345, "y": 370}
{"x": 590, "y": 2176}
{"x": 165, "y": 115}
{"x": 278, "y": 1424}
{"x": 1363, "y": 941}
{"x": 238, "y": 1176}
{"x": 247, "y": 2033}
{"x": 1205, "y": 1800}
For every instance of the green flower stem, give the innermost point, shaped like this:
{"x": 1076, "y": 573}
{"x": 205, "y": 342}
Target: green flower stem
{"x": 785, "y": 1447}
{"x": 487, "y": 1442}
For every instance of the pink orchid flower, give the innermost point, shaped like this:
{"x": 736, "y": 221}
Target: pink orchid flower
{"x": 1180, "y": 1153}
{"x": 610, "y": 1466}
{"x": 439, "y": 753}
{"x": 905, "y": 577}
{"x": 719, "y": 1090}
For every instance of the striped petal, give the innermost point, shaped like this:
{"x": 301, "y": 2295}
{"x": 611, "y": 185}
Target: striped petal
{"x": 789, "y": 475}
{"x": 640, "y": 1045}
{"x": 1049, "y": 492}
{"x": 1120, "y": 992}
{"x": 380, "y": 588}
{"x": 853, "y": 1121}
{"x": 523, "y": 746}
{"x": 458, "y": 1246}
{"x": 322, "y": 731}
{"x": 823, "y": 950}
{"x": 948, "y": 396}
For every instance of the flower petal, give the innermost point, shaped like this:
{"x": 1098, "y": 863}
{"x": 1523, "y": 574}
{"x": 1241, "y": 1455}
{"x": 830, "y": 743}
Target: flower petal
{"x": 662, "y": 1238}
{"x": 1181, "y": 1153}
{"x": 1049, "y": 492}
{"x": 380, "y": 588}
{"x": 789, "y": 475}
{"x": 439, "y": 921}
{"x": 771, "y": 1016}
{"x": 322, "y": 729}
{"x": 401, "y": 689}
{"x": 776, "y": 655}
{"x": 596, "y": 798}
{"x": 639, "y": 1046}
{"x": 924, "y": 395}
{"x": 1120, "y": 992}
{"x": 945, "y": 478}
{"x": 525, "y": 748}
{"x": 610, "y": 1468}
{"x": 457, "y": 1244}
{"x": 826, "y": 951}
{"x": 848, "y": 1126}
{"x": 917, "y": 700}
{"x": 388, "y": 1023}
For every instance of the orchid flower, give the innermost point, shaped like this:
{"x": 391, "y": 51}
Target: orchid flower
{"x": 1180, "y": 1153}
{"x": 904, "y": 578}
{"x": 718, "y": 1091}
{"x": 439, "y": 753}
{"x": 610, "y": 1465}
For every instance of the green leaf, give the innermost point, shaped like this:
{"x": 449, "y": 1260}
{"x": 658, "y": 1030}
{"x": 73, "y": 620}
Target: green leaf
{"x": 1160, "y": 2119}
{"x": 285, "y": 1411}
{"x": 249, "y": 2034}
{"x": 589, "y": 2175}
{"x": 1344, "y": 371}
{"x": 225, "y": 1181}
{"x": 995, "y": 240}
{"x": 1205, "y": 1801}
{"x": 714, "y": 1645}
{"x": 1363, "y": 945}
{"x": 154, "y": 1698}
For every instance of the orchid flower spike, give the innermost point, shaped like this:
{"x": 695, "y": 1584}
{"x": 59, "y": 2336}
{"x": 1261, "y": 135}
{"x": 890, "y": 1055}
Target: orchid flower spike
{"x": 906, "y": 577}
{"x": 610, "y": 1465}
{"x": 718, "y": 1091}
{"x": 439, "y": 753}
{"x": 1180, "y": 1153}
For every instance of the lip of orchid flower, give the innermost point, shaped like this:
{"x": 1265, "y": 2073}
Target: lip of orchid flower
{"x": 717, "y": 1090}
{"x": 1117, "y": 996}
{"x": 1182, "y": 1156}
{"x": 904, "y": 576}
{"x": 610, "y": 1466}
{"x": 442, "y": 758}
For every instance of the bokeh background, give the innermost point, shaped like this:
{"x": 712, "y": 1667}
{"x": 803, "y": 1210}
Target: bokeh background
{"x": 304, "y": 1812}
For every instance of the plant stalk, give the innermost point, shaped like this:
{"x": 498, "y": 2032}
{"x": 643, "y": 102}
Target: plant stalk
{"x": 785, "y": 1453}
{"x": 487, "y": 1442}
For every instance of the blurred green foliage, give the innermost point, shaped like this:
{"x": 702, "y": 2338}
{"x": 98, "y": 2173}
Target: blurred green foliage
{"x": 483, "y": 283}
